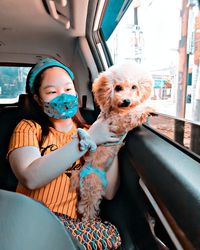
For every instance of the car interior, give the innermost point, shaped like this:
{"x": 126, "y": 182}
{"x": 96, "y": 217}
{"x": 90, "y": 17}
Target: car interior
{"x": 158, "y": 202}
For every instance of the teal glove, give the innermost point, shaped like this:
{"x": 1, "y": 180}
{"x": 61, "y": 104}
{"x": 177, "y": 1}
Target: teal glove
{"x": 86, "y": 142}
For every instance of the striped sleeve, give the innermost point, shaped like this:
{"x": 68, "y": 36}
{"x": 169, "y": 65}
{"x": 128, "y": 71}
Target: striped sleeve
{"x": 25, "y": 134}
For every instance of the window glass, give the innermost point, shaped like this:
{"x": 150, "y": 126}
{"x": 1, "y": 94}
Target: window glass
{"x": 185, "y": 133}
{"x": 12, "y": 83}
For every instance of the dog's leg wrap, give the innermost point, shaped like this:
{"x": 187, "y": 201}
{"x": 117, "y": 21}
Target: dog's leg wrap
{"x": 88, "y": 169}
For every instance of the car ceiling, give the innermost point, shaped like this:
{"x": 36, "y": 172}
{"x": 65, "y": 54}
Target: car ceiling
{"x": 27, "y": 29}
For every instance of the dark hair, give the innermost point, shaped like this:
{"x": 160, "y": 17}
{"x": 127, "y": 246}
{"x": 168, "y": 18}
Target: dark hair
{"x": 34, "y": 112}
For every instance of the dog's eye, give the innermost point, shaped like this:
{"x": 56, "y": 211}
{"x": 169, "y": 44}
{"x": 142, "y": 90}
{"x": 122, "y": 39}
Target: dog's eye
{"x": 118, "y": 88}
{"x": 134, "y": 87}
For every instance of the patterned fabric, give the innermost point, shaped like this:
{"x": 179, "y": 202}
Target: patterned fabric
{"x": 95, "y": 235}
{"x": 55, "y": 195}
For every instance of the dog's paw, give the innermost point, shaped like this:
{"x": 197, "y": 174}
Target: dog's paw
{"x": 146, "y": 112}
{"x": 143, "y": 118}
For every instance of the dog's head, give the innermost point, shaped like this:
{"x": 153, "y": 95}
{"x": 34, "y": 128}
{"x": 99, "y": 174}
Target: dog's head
{"x": 122, "y": 87}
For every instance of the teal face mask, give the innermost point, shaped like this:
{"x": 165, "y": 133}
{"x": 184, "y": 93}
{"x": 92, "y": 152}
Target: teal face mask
{"x": 62, "y": 107}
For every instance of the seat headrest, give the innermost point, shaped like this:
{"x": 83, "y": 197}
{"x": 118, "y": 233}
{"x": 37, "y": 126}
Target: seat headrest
{"x": 23, "y": 101}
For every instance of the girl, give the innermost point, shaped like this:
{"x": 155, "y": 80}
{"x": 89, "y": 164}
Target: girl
{"x": 44, "y": 151}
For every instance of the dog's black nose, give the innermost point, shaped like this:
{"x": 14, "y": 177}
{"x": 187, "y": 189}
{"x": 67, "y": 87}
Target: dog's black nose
{"x": 126, "y": 103}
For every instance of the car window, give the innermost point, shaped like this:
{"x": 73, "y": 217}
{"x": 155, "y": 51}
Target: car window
{"x": 12, "y": 83}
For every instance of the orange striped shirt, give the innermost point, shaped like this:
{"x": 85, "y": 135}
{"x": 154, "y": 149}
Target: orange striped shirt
{"x": 55, "y": 195}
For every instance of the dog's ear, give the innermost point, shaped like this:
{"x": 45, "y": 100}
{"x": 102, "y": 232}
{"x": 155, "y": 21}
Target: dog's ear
{"x": 102, "y": 90}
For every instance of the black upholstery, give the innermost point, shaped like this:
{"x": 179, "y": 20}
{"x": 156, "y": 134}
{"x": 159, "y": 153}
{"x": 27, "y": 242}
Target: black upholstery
{"x": 9, "y": 118}
{"x": 28, "y": 225}
{"x": 89, "y": 115}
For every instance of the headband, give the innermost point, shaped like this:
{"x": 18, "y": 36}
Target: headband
{"x": 44, "y": 64}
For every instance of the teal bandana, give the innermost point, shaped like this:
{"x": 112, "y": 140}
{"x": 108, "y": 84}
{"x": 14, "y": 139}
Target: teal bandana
{"x": 88, "y": 169}
{"x": 62, "y": 106}
{"x": 44, "y": 64}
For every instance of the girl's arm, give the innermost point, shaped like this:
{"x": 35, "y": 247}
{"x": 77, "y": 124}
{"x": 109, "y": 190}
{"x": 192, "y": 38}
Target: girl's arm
{"x": 34, "y": 171}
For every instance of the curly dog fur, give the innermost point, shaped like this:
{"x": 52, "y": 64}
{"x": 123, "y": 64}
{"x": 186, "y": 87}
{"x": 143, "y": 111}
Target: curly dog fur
{"x": 119, "y": 91}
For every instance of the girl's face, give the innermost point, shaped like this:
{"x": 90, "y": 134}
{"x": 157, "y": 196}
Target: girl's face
{"x": 55, "y": 81}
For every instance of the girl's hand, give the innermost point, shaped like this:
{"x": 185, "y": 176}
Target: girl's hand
{"x": 100, "y": 133}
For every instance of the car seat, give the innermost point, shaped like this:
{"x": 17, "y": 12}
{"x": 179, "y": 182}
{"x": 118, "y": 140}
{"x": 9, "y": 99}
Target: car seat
{"x": 28, "y": 225}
